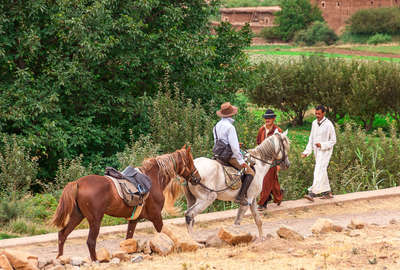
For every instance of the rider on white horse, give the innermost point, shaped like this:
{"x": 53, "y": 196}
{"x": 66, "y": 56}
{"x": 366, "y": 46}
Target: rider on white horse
{"x": 225, "y": 131}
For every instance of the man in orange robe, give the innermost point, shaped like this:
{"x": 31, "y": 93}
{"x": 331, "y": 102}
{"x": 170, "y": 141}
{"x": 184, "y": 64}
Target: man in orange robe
{"x": 270, "y": 182}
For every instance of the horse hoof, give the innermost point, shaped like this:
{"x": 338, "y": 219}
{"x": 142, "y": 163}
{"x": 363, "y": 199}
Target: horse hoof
{"x": 188, "y": 220}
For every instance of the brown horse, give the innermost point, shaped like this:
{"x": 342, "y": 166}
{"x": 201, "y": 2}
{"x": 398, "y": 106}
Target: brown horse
{"x": 93, "y": 196}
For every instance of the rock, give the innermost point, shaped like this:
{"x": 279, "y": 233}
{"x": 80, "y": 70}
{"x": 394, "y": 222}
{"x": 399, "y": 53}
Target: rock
{"x": 215, "y": 241}
{"x": 162, "y": 244}
{"x": 121, "y": 255}
{"x": 64, "y": 259}
{"x": 129, "y": 245}
{"x": 289, "y": 234}
{"x": 182, "y": 240}
{"x": 137, "y": 259}
{"x": 393, "y": 221}
{"x": 103, "y": 255}
{"x": 4, "y": 263}
{"x": 76, "y": 261}
{"x": 356, "y": 224}
{"x": 57, "y": 267}
{"x": 115, "y": 261}
{"x": 234, "y": 236}
{"x": 34, "y": 261}
{"x": 323, "y": 225}
{"x": 141, "y": 243}
{"x": 43, "y": 262}
{"x": 148, "y": 257}
{"x": 19, "y": 260}
{"x": 147, "y": 248}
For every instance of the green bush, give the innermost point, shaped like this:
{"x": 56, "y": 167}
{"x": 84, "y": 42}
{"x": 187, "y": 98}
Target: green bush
{"x": 270, "y": 34}
{"x": 17, "y": 168}
{"x": 294, "y": 16}
{"x": 9, "y": 209}
{"x": 137, "y": 151}
{"x": 249, "y": 3}
{"x": 317, "y": 32}
{"x": 379, "y": 38}
{"x": 375, "y": 20}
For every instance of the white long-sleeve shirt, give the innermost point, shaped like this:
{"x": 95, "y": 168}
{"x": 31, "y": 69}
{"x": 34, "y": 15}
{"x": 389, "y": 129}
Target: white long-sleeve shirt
{"x": 323, "y": 133}
{"x": 227, "y": 133}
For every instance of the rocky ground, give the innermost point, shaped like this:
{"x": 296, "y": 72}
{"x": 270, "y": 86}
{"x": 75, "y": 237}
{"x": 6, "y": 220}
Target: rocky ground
{"x": 374, "y": 244}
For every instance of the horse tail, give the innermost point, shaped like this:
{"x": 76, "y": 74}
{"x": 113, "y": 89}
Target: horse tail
{"x": 171, "y": 193}
{"x": 65, "y": 205}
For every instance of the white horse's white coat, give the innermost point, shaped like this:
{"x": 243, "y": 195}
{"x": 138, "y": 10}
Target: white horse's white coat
{"x": 212, "y": 176}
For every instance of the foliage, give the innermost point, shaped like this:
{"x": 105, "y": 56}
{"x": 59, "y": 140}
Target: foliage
{"x": 135, "y": 152}
{"x": 379, "y": 38}
{"x": 316, "y": 32}
{"x": 74, "y": 75}
{"x": 375, "y": 20}
{"x": 9, "y": 209}
{"x": 360, "y": 89}
{"x": 294, "y": 16}
{"x": 17, "y": 168}
{"x": 270, "y": 34}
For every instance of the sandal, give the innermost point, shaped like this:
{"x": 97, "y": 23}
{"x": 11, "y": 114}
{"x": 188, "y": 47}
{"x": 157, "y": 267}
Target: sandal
{"x": 261, "y": 208}
{"x": 327, "y": 196}
{"x": 308, "y": 197}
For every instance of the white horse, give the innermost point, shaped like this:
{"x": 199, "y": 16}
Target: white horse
{"x": 272, "y": 151}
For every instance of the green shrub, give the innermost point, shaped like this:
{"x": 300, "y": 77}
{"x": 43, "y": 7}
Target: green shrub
{"x": 10, "y": 209}
{"x": 249, "y": 3}
{"x": 40, "y": 207}
{"x": 317, "y": 32}
{"x": 26, "y": 227}
{"x": 379, "y": 38}
{"x": 270, "y": 34}
{"x": 375, "y": 20}
{"x": 17, "y": 168}
{"x": 294, "y": 16}
{"x": 68, "y": 171}
{"x": 137, "y": 151}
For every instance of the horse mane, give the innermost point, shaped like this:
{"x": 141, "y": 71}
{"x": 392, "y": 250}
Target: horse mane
{"x": 266, "y": 149}
{"x": 167, "y": 163}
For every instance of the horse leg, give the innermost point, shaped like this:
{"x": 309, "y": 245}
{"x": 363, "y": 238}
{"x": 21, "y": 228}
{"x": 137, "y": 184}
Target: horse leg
{"x": 197, "y": 208}
{"x": 131, "y": 228}
{"x": 94, "y": 228}
{"x": 242, "y": 209}
{"x": 257, "y": 218}
{"x": 74, "y": 220}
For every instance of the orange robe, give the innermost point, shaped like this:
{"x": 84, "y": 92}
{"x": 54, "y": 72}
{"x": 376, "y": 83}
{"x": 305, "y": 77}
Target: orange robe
{"x": 270, "y": 182}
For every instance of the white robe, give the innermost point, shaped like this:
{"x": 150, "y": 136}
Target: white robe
{"x": 326, "y": 136}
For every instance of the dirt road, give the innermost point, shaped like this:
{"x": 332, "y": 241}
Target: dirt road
{"x": 377, "y": 246}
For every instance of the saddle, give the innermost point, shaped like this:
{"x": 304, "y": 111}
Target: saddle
{"x": 133, "y": 186}
{"x": 233, "y": 177}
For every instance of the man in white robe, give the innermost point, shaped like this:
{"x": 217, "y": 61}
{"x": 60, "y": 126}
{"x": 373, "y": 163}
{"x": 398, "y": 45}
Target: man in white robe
{"x": 321, "y": 142}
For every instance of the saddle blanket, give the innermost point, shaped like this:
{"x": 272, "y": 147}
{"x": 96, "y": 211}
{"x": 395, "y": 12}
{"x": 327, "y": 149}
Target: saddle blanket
{"x": 127, "y": 191}
{"x": 232, "y": 177}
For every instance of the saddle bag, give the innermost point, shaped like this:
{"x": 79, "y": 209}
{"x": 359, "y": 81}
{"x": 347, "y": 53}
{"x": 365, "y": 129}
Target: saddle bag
{"x": 221, "y": 150}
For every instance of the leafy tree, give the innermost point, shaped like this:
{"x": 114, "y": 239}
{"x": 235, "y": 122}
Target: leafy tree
{"x": 294, "y": 16}
{"x": 316, "y": 32}
{"x": 76, "y": 76}
{"x": 375, "y": 20}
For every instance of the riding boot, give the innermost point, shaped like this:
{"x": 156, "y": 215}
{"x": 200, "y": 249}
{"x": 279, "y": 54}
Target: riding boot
{"x": 242, "y": 197}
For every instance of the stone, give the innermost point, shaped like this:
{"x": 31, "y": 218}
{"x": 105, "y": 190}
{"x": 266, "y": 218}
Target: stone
{"x": 137, "y": 259}
{"x": 115, "y": 261}
{"x": 4, "y": 263}
{"x": 57, "y": 267}
{"x": 103, "y": 255}
{"x": 215, "y": 241}
{"x": 44, "y": 262}
{"x": 182, "y": 240}
{"x": 393, "y": 221}
{"x": 129, "y": 245}
{"x": 19, "y": 260}
{"x": 147, "y": 248}
{"x": 148, "y": 257}
{"x": 76, "y": 261}
{"x": 234, "y": 236}
{"x": 289, "y": 234}
{"x": 34, "y": 262}
{"x": 356, "y": 224}
{"x": 121, "y": 255}
{"x": 161, "y": 244}
{"x": 64, "y": 259}
{"x": 324, "y": 225}
{"x": 141, "y": 243}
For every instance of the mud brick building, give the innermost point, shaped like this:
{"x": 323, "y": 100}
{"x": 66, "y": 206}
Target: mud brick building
{"x": 336, "y": 12}
{"x": 257, "y": 17}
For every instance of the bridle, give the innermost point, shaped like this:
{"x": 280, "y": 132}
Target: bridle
{"x": 191, "y": 176}
{"x": 276, "y": 162}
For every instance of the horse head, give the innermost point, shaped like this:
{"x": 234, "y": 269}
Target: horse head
{"x": 283, "y": 150}
{"x": 189, "y": 171}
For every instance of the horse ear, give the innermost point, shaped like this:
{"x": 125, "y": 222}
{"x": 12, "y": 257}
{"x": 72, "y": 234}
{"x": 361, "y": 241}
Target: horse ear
{"x": 285, "y": 133}
{"x": 188, "y": 149}
{"x": 184, "y": 147}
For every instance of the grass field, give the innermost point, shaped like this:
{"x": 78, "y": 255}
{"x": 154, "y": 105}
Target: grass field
{"x": 390, "y": 49}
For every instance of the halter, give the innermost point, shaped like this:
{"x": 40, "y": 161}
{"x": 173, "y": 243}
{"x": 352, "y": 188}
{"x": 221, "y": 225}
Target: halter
{"x": 276, "y": 162}
{"x": 191, "y": 176}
